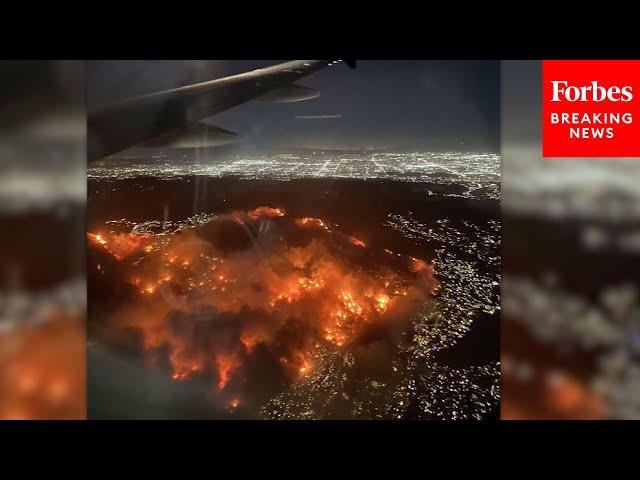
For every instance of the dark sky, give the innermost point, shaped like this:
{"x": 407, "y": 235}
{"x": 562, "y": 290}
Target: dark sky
{"x": 396, "y": 104}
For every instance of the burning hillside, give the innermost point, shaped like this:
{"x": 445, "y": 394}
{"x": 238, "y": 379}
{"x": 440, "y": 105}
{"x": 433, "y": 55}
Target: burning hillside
{"x": 204, "y": 298}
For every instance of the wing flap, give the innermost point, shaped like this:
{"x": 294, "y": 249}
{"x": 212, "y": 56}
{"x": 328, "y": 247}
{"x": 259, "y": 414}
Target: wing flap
{"x": 198, "y": 135}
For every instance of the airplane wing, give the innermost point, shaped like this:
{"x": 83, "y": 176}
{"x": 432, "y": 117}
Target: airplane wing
{"x": 148, "y": 117}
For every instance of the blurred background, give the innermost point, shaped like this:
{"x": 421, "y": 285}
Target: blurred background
{"x": 571, "y": 247}
{"x": 42, "y": 254}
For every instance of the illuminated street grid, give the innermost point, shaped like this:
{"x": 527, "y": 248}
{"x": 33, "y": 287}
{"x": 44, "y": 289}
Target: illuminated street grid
{"x": 473, "y": 170}
{"x": 420, "y": 387}
{"x": 467, "y": 263}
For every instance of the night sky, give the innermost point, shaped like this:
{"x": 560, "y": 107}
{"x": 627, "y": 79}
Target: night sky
{"x": 394, "y": 104}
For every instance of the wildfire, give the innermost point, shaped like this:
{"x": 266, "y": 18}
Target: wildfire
{"x": 356, "y": 241}
{"x": 418, "y": 265}
{"x": 226, "y": 365}
{"x": 119, "y": 245}
{"x": 265, "y": 212}
{"x": 382, "y": 301}
{"x": 211, "y": 311}
{"x": 310, "y": 222}
{"x": 305, "y": 368}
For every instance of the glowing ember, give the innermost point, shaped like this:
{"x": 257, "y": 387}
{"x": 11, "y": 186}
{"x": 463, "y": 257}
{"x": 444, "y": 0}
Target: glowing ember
{"x": 417, "y": 265}
{"x": 209, "y": 310}
{"x": 357, "y": 242}
{"x": 226, "y": 365}
{"x": 265, "y": 212}
{"x": 381, "y": 303}
{"x": 310, "y": 222}
{"x": 119, "y": 246}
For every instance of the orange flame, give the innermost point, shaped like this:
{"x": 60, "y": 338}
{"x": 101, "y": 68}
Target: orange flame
{"x": 356, "y": 241}
{"x": 288, "y": 299}
{"x": 310, "y": 222}
{"x": 265, "y": 212}
{"x": 119, "y": 245}
{"x": 226, "y": 365}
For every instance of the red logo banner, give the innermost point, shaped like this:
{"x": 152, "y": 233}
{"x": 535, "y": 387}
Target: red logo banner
{"x": 591, "y": 108}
